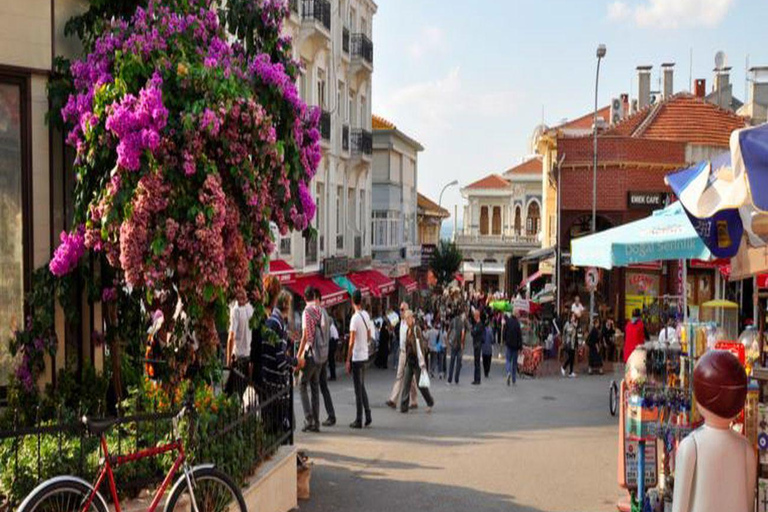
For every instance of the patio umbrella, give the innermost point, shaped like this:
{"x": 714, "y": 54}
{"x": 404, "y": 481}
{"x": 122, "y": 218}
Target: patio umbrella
{"x": 665, "y": 235}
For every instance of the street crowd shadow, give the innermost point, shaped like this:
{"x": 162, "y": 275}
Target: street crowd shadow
{"x": 337, "y": 458}
{"x": 339, "y": 488}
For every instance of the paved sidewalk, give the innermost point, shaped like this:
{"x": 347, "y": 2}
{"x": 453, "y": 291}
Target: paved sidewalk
{"x": 545, "y": 445}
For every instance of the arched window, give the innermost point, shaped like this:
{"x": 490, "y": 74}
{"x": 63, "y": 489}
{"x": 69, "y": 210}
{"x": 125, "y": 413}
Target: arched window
{"x": 483, "y": 220}
{"x": 533, "y": 220}
{"x": 496, "y": 222}
{"x": 518, "y": 220}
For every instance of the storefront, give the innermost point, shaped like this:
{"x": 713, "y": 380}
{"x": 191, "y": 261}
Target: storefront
{"x": 381, "y": 289}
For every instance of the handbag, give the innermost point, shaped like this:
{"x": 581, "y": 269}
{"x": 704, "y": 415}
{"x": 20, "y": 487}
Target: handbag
{"x": 521, "y": 359}
{"x": 424, "y": 380}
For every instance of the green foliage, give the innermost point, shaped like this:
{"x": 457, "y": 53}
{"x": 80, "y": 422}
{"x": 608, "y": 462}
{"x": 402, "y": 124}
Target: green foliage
{"x": 445, "y": 262}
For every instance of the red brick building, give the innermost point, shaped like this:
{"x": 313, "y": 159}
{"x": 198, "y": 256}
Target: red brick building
{"x": 634, "y": 155}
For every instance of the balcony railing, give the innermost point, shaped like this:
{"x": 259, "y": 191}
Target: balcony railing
{"x": 345, "y": 40}
{"x": 362, "y": 47}
{"x": 358, "y": 246}
{"x": 325, "y": 125}
{"x": 345, "y": 137}
{"x": 503, "y": 239}
{"x": 362, "y": 142}
{"x": 318, "y": 10}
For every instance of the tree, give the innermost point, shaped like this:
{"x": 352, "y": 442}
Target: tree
{"x": 445, "y": 262}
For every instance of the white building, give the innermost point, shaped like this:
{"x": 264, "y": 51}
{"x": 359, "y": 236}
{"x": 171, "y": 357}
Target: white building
{"x": 332, "y": 39}
{"x": 502, "y": 223}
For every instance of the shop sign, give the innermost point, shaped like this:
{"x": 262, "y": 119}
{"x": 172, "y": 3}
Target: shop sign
{"x": 762, "y": 281}
{"x": 646, "y": 200}
{"x": 591, "y": 278}
{"x": 427, "y": 250}
{"x": 335, "y": 266}
{"x": 680, "y": 284}
{"x": 735, "y": 348}
{"x": 631, "y": 450}
{"x": 649, "y": 265}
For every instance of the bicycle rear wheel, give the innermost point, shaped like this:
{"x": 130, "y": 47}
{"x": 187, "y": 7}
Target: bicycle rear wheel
{"x": 614, "y": 398}
{"x": 214, "y": 491}
{"x": 62, "y": 495}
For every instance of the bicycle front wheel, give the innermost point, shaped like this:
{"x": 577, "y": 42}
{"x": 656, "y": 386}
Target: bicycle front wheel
{"x": 214, "y": 491}
{"x": 614, "y": 398}
{"x": 62, "y": 495}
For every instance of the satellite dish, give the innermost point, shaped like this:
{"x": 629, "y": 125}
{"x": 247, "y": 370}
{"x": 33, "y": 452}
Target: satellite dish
{"x": 721, "y": 60}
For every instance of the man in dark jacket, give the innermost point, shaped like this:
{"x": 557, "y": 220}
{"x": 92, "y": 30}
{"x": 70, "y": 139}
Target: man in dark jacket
{"x": 478, "y": 334}
{"x": 513, "y": 339}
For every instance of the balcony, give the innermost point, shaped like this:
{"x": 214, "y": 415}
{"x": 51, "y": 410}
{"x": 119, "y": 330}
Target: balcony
{"x": 316, "y": 20}
{"x": 362, "y": 143}
{"x": 325, "y": 125}
{"x": 362, "y": 53}
{"x": 345, "y": 41}
{"x": 345, "y": 137}
{"x": 508, "y": 242}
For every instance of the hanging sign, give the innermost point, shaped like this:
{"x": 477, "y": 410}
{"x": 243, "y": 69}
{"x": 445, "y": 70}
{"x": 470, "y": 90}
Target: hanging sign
{"x": 631, "y": 449}
{"x": 591, "y": 278}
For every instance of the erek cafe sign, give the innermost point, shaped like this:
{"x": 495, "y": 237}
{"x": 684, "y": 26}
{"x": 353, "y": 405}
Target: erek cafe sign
{"x": 646, "y": 200}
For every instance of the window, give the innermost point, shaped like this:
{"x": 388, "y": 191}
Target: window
{"x": 352, "y": 19}
{"x": 340, "y": 103}
{"x": 533, "y": 220}
{"x": 363, "y": 26}
{"x": 320, "y": 215}
{"x": 321, "y": 89}
{"x": 363, "y": 112}
{"x": 285, "y": 246}
{"x": 12, "y": 246}
{"x": 385, "y": 228}
{"x": 361, "y": 220}
{"x": 339, "y": 218}
{"x": 351, "y": 110}
{"x": 496, "y": 227}
{"x": 303, "y": 91}
{"x": 518, "y": 220}
{"x": 351, "y": 211}
{"x": 483, "y": 220}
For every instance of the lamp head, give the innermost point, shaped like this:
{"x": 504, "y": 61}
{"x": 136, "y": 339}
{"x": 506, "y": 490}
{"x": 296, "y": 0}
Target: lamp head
{"x": 601, "y": 51}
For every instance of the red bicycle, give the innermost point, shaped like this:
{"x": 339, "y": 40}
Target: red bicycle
{"x": 201, "y": 488}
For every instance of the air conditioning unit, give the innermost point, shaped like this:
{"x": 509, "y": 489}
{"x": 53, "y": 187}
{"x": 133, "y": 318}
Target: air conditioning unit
{"x": 617, "y": 110}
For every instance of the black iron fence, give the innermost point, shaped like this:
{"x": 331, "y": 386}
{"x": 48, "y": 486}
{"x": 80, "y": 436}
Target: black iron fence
{"x": 319, "y": 10}
{"x": 345, "y": 137}
{"x": 345, "y": 40}
{"x": 237, "y": 438}
{"x": 362, "y": 47}
{"x": 362, "y": 142}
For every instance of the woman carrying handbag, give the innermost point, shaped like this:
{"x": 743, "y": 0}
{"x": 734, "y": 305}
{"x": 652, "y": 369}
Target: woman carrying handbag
{"x": 415, "y": 365}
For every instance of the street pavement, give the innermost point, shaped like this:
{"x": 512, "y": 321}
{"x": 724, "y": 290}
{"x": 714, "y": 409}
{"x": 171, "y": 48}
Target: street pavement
{"x": 547, "y": 444}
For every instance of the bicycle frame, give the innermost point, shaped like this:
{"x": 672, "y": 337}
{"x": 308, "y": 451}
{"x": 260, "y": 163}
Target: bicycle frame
{"x": 106, "y": 473}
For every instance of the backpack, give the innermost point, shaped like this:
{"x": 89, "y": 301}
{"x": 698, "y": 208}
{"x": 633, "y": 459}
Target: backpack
{"x": 321, "y": 337}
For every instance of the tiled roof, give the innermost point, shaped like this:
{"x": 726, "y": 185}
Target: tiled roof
{"x": 530, "y": 166}
{"x": 490, "y": 181}
{"x": 379, "y": 123}
{"x": 430, "y": 207}
{"x": 585, "y": 122}
{"x": 683, "y": 118}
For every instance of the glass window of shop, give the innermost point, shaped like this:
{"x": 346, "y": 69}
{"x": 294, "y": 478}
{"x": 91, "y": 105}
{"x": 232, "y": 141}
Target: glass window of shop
{"x": 12, "y": 250}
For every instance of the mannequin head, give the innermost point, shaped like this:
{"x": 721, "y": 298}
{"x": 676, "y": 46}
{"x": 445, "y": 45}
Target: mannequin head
{"x": 720, "y": 385}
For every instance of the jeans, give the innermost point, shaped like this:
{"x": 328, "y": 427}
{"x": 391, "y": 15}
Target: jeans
{"x": 512, "y": 363}
{"x": 487, "y": 364}
{"x": 332, "y": 346}
{"x": 477, "y": 352}
{"x": 456, "y": 354}
{"x": 310, "y": 378}
{"x": 571, "y": 352}
{"x": 441, "y": 361}
{"x": 361, "y": 396}
{"x": 412, "y": 370}
{"x": 327, "y": 400}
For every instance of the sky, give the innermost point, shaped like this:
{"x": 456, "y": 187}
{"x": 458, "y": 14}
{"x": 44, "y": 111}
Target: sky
{"x": 471, "y": 79}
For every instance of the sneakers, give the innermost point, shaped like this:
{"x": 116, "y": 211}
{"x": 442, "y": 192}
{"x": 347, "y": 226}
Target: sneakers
{"x": 429, "y": 409}
{"x": 572, "y": 375}
{"x": 355, "y": 424}
{"x": 509, "y": 379}
{"x": 562, "y": 371}
{"x": 329, "y": 422}
{"x": 368, "y": 421}
{"x": 391, "y": 404}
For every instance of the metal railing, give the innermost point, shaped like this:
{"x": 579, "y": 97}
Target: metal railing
{"x": 60, "y": 444}
{"x": 345, "y": 40}
{"x": 503, "y": 239}
{"x": 318, "y": 10}
{"x": 362, "y": 47}
{"x": 345, "y": 137}
{"x": 362, "y": 142}
{"x": 325, "y": 125}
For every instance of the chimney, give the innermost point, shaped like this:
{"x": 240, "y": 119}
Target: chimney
{"x": 700, "y": 88}
{"x": 723, "y": 90}
{"x": 668, "y": 68}
{"x": 625, "y": 103}
{"x": 643, "y": 86}
{"x": 759, "y": 83}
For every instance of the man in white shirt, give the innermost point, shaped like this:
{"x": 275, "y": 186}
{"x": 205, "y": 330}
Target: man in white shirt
{"x": 238, "y": 354}
{"x": 668, "y": 334}
{"x": 577, "y": 308}
{"x": 360, "y": 332}
{"x": 394, "y": 397}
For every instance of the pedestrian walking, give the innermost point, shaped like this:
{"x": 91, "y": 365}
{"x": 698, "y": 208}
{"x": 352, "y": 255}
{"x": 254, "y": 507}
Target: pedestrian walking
{"x": 570, "y": 341}
{"x": 478, "y": 335}
{"x": 360, "y": 332}
{"x": 442, "y": 350}
{"x": 308, "y": 365}
{"x": 415, "y": 363}
{"x": 432, "y": 335}
{"x": 593, "y": 344}
{"x": 323, "y": 346}
{"x": 402, "y": 331}
{"x": 333, "y": 347}
{"x": 635, "y": 334}
{"x": 457, "y": 334}
{"x": 487, "y": 350}
{"x": 385, "y": 338}
{"x": 276, "y": 363}
{"x": 238, "y": 354}
{"x": 609, "y": 339}
{"x": 513, "y": 343}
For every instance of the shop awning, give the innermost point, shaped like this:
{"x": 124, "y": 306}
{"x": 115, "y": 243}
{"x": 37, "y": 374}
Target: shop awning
{"x": 331, "y": 293}
{"x": 284, "y": 272}
{"x": 539, "y": 254}
{"x": 346, "y": 283}
{"x": 531, "y": 278}
{"x": 409, "y": 284}
{"x": 459, "y": 278}
{"x": 378, "y": 283}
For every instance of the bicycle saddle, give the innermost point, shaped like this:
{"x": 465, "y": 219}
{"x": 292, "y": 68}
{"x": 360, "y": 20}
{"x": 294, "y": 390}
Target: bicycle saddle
{"x": 98, "y": 427}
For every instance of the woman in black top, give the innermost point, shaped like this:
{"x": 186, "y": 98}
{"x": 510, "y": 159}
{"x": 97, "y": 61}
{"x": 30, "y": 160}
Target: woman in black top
{"x": 593, "y": 342}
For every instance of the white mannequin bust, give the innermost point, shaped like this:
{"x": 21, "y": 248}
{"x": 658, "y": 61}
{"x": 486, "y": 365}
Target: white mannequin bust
{"x": 715, "y": 467}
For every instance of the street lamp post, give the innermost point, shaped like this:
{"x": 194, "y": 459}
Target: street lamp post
{"x": 600, "y": 54}
{"x": 440, "y": 204}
